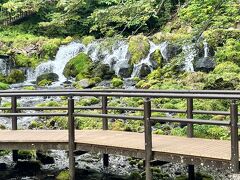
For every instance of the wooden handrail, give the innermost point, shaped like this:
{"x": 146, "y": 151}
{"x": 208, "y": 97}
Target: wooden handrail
{"x": 189, "y": 96}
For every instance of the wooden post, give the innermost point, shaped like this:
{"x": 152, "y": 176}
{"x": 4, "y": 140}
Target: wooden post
{"x": 105, "y": 127}
{"x": 234, "y": 137}
{"x": 71, "y": 138}
{"x": 148, "y": 138}
{"x": 14, "y": 124}
{"x": 191, "y": 173}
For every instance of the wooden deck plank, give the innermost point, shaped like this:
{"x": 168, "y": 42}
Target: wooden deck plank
{"x": 212, "y": 149}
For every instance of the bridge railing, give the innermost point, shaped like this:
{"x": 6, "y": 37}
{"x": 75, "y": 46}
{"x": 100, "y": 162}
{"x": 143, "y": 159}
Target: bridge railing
{"x": 189, "y": 96}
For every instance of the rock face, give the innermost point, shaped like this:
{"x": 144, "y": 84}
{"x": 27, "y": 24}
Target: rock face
{"x": 168, "y": 50}
{"x": 205, "y": 64}
{"x": 85, "y": 83}
{"x": 47, "y": 76}
{"x": 44, "y": 158}
{"x": 125, "y": 72}
{"x": 102, "y": 70}
{"x": 156, "y": 59}
{"x": 144, "y": 70}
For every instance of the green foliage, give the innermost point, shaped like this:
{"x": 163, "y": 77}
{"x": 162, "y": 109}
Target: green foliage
{"x": 224, "y": 76}
{"x": 87, "y": 40}
{"x": 89, "y": 101}
{"x": 117, "y": 82}
{"x": 217, "y": 13}
{"x": 44, "y": 82}
{"x": 4, "y": 86}
{"x": 229, "y": 52}
{"x": 15, "y": 76}
{"x": 138, "y": 47}
{"x": 78, "y": 66}
{"x": 63, "y": 175}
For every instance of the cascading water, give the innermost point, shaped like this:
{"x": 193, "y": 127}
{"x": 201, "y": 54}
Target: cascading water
{"x": 3, "y": 67}
{"x": 206, "y": 49}
{"x": 118, "y": 58}
{"x": 146, "y": 61}
{"x": 190, "y": 54}
{"x": 64, "y": 54}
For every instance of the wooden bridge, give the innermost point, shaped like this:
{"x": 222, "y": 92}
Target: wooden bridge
{"x": 222, "y": 154}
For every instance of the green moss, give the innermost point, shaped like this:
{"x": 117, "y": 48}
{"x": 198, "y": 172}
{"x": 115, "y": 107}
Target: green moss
{"x": 22, "y": 60}
{"x": 63, "y": 175}
{"x": 89, "y": 101}
{"x": 138, "y": 47}
{"x": 67, "y": 40}
{"x": 29, "y": 88}
{"x": 229, "y": 52}
{"x": 44, "y": 82}
{"x": 4, "y": 86}
{"x": 50, "y": 48}
{"x": 156, "y": 57}
{"x": 4, "y": 152}
{"x": 78, "y": 66}
{"x": 87, "y": 40}
{"x": 50, "y": 77}
{"x": 26, "y": 154}
{"x": 15, "y": 76}
{"x": 171, "y": 37}
{"x": 218, "y": 37}
{"x": 117, "y": 82}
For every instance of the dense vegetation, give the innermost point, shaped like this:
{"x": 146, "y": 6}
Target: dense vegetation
{"x": 46, "y": 25}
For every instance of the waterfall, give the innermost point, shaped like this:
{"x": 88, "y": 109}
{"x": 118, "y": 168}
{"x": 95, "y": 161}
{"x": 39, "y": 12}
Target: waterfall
{"x": 3, "y": 67}
{"x": 118, "y": 58}
{"x": 146, "y": 61}
{"x": 206, "y": 49}
{"x": 190, "y": 54}
{"x": 64, "y": 54}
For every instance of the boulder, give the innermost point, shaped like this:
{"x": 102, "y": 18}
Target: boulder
{"x": 86, "y": 83}
{"x": 125, "y": 72}
{"x": 102, "y": 70}
{"x": 205, "y": 64}
{"x": 52, "y": 77}
{"x": 78, "y": 66}
{"x": 44, "y": 158}
{"x": 169, "y": 50}
{"x": 156, "y": 59}
{"x": 3, "y": 166}
{"x": 144, "y": 70}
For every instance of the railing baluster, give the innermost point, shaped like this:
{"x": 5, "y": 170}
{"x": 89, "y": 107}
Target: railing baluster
{"x": 71, "y": 137}
{"x": 234, "y": 137}
{"x": 14, "y": 124}
{"x": 191, "y": 173}
{"x": 105, "y": 127}
{"x": 190, "y": 116}
{"x": 148, "y": 138}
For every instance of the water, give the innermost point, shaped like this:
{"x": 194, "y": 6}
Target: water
{"x": 4, "y": 69}
{"x": 64, "y": 54}
{"x": 190, "y": 54}
{"x": 206, "y": 49}
{"x": 146, "y": 61}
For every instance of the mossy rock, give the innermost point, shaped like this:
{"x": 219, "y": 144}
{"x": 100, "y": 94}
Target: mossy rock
{"x": 50, "y": 77}
{"x": 44, "y": 82}
{"x": 26, "y": 154}
{"x": 4, "y": 86}
{"x": 15, "y": 76}
{"x": 102, "y": 71}
{"x": 29, "y": 88}
{"x": 63, "y": 175}
{"x": 139, "y": 47}
{"x": 22, "y": 60}
{"x": 78, "y": 66}
{"x": 156, "y": 59}
{"x": 87, "y": 40}
{"x": 117, "y": 82}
